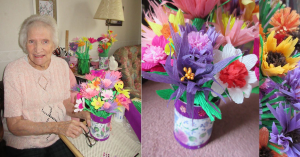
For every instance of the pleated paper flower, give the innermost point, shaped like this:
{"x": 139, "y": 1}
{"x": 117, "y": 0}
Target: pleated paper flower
{"x": 289, "y": 136}
{"x": 277, "y": 60}
{"x": 236, "y": 77}
{"x": 234, "y": 31}
{"x": 158, "y": 22}
{"x": 192, "y": 67}
{"x": 285, "y": 21}
{"x": 154, "y": 55}
{"x": 97, "y": 103}
{"x": 80, "y": 105}
{"x": 195, "y": 8}
{"x": 264, "y": 150}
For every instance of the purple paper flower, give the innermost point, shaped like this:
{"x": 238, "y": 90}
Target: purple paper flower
{"x": 109, "y": 75}
{"x": 289, "y": 88}
{"x": 289, "y": 137}
{"x": 112, "y": 108}
{"x": 73, "y": 46}
{"x": 99, "y": 39}
{"x": 76, "y": 88}
{"x": 192, "y": 61}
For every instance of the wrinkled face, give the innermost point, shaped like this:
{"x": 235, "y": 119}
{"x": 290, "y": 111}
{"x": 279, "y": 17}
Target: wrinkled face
{"x": 39, "y": 45}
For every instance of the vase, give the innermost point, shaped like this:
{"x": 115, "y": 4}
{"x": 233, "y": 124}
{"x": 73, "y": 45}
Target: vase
{"x": 83, "y": 66}
{"x": 100, "y": 127}
{"x": 191, "y": 133}
{"x": 103, "y": 59}
{"x": 119, "y": 116}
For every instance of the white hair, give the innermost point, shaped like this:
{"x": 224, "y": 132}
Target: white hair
{"x": 31, "y": 21}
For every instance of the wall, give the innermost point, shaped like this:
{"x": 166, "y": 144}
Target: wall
{"x": 73, "y": 15}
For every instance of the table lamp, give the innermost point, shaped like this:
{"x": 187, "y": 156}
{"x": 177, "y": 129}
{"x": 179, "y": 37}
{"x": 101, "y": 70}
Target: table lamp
{"x": 110, "y": 10}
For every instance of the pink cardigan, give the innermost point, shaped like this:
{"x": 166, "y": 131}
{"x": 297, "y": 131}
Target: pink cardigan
{"x": 37, "y": 96}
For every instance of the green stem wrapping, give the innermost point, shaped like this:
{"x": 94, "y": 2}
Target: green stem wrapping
{"x": 83, "y": 66}
{"x": 105, "y": 52}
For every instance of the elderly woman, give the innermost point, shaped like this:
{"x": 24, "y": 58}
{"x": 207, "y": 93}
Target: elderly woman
{"x": 38, "y": 105}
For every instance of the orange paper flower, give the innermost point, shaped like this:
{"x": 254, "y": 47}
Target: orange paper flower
{"x": 285, "y": 21}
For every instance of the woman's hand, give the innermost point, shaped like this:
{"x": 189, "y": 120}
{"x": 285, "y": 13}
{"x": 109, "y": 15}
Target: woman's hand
{"x": 71, "y": 128}
{"x": 85, "y": 115}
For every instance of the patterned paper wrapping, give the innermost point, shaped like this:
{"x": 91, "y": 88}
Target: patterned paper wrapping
{"x": 103, "y": 62}
{"x": 191, "y": 133}
{"x": 100, "y": 128}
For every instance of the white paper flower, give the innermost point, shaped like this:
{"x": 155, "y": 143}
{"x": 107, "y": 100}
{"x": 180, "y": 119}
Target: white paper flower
{"x": 237, "y": 76}
{"x": 80, "y": 104}
{"x": 105, "y": 40}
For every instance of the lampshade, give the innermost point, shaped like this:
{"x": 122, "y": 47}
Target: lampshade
{"x": 110, "y": 9}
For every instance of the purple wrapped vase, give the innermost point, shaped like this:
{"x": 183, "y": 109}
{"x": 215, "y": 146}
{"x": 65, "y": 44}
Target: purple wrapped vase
{"x": 191, "y": 133}
{"x": 100, "y": 127}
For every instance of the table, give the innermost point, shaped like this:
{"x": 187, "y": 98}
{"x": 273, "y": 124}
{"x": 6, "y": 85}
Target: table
{"x": 122, "y": 143}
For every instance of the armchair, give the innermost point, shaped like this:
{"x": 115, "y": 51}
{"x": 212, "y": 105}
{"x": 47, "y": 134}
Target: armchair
{"x": 129, "y": 59}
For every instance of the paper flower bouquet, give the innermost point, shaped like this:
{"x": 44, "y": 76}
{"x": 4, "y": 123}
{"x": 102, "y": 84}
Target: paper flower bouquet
{"x": 279, "y": 133}
{"x": 102, "y": 95}
{"x": 104, "y": 44}
{"x": 198, "y": 50}
{"x": 81, "y": 47}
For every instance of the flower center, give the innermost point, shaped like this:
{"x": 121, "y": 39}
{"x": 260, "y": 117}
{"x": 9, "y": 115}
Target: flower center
{"x": 277, "y": 59}
{"x": 189, "y": 75}
{"x": 234, "y": 74}
{"x": 166, "y": 32}
{"x": 265, "y": 152}
{"x": 294, "y": 135}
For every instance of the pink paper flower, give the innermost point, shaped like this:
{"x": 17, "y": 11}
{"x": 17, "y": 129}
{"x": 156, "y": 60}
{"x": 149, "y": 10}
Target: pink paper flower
{"x": 105, "y": 40}
{"x": 92, "y": 40}
{"x": 198, "y": 40}
{"x": 106, "y": 105}
{"x": 154, "y": 54}
{"x": 195, "y": 8}
{"x": 106, "y": 82}
{"x": 90, "y": 77}
{"x": 89, "y": 93}
{"x": 234, "y": 34}
{"x": 107, "y": 94}
{"x": 121, "y": 99}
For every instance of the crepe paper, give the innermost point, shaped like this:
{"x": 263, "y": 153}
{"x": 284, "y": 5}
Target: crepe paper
{"x": 198, "y": 23}
{"x": 278, "y": 99}
{"x": 277, "y": 150}
{"x": 268, "y": 95}
{"x": 137, "y": 104}
{"x": 296, "y": 55}
{"x": 165, "y": 93}
{"x": 266, "y": 116}
{"x": 255, "y": 90}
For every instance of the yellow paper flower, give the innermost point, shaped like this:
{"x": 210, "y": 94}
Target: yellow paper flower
{"x": 97, "y": 103}
{"x": 85, "y": 39}
{"x": 225, "y": 19}
{"x": 277, "y": 60}
{"x": 91, "y": 46}
{"x": 168, "y": 46}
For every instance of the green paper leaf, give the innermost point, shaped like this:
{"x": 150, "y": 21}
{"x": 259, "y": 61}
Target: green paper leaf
{"x": 160, "y": 73}
{"x": 255, "y": 90}
{"x": 165, "y": 93}
{"x": 198, "y": 23}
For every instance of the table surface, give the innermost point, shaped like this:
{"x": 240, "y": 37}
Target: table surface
{"x": 122, "y": 142}
{"x": 236, "y": 135}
